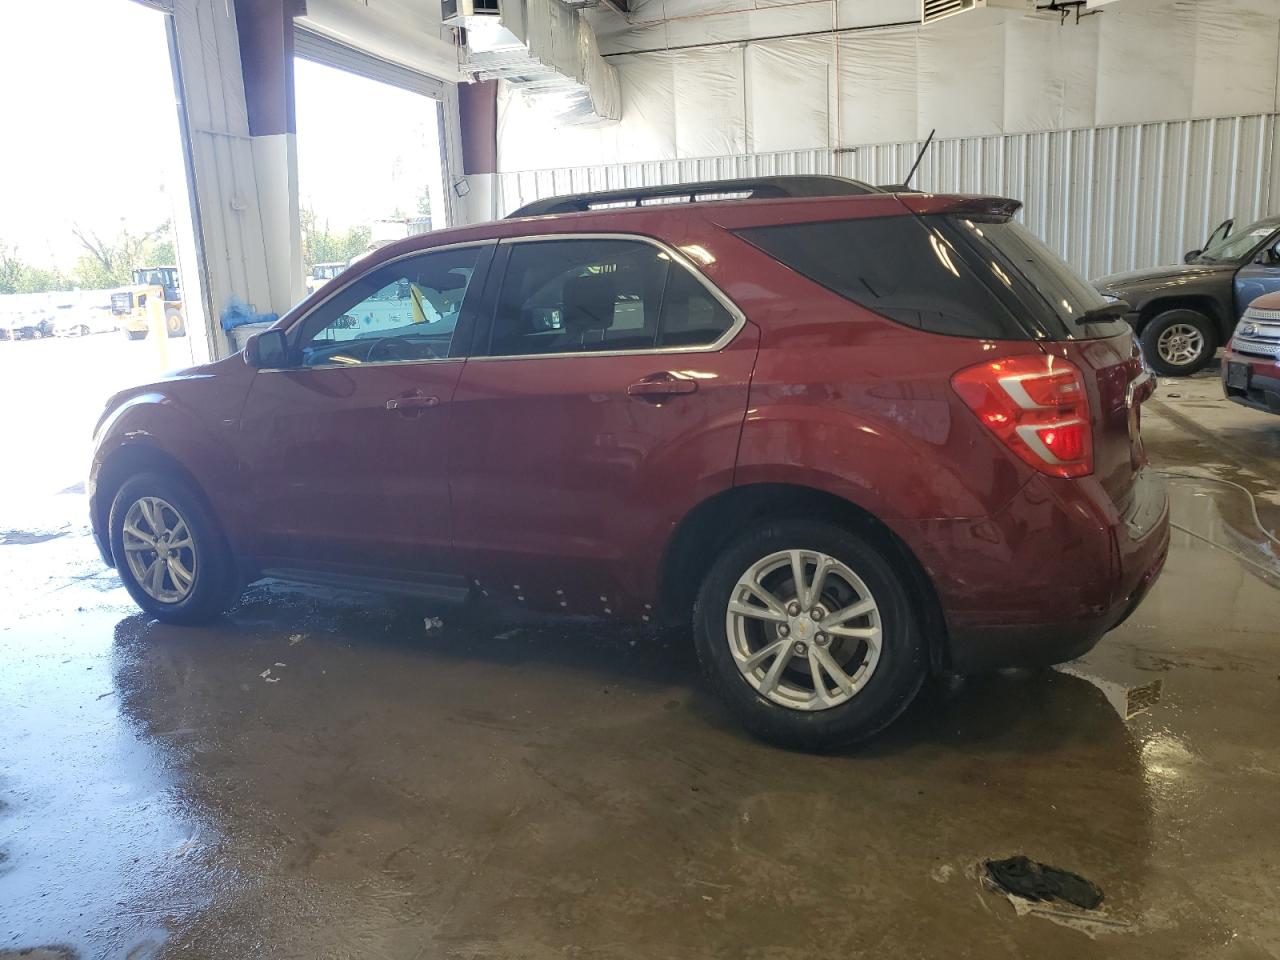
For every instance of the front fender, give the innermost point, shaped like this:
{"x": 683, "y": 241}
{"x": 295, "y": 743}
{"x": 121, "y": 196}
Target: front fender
{"x": 193, "y": 429}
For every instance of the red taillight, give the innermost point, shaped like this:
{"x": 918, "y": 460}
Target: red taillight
{"x": 1037, "y": 405}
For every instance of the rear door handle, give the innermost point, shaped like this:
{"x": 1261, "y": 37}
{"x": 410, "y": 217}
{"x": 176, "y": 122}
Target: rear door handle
{"x": 414, "y": 401}
{"x": 661, "y": 385}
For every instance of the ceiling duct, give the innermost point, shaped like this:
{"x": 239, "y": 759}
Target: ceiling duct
{"x": 544, "y": 48}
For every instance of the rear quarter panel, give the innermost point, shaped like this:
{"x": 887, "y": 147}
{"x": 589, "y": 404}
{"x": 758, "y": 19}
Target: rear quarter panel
{"x": 849, "y": 402}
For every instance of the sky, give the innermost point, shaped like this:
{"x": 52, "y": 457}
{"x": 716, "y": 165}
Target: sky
{"x": 364, "y": 149}
{"x": 88, "y": 129}
{"x": 90, "y": 132}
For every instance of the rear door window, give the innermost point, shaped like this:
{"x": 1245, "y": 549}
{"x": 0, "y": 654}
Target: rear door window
{"x": 691, "y": 315}
{"x": 592, "y": 296}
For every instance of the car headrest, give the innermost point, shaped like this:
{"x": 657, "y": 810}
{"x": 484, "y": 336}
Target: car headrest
{"x": 589, "y": 302}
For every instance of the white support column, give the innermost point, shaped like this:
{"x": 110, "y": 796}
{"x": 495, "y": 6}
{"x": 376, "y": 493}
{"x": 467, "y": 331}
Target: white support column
{"x": 244, "y": 188}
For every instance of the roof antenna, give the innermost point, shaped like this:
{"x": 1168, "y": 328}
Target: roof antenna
{"x": 919, "y": 157}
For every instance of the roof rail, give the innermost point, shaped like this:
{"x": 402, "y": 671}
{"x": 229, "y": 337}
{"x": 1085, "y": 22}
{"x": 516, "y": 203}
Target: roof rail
{"x": 754, "y": 188}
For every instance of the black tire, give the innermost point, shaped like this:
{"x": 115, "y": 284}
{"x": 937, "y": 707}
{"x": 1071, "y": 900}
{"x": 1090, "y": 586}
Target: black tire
{"x": 1161, "y": 324}
{"x": 888, "y": 691}
{"x": 136, "y": 334}
{"x": 215, "y": 585}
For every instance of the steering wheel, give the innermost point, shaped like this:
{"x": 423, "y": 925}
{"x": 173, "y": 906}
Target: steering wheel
{"x": 394, "y": 345}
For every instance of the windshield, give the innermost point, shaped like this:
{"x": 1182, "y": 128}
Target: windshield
{"x": 1238, "y": 245}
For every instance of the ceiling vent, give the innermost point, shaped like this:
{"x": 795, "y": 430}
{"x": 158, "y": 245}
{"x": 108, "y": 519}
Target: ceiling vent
{"x": 469, "y": 14}
{"x": 931, "y": 10}
{"x": 937, "y": 9}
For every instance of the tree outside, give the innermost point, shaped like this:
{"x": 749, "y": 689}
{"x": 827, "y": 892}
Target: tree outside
{"x": 320, "y": 244}
{"x": 105, "y": 263}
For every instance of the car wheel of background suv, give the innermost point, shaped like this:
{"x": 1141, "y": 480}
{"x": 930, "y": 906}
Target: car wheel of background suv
{"x": 1178, "y": 343}
{"x": 170, "y": 552}
{"x": 807, "y": 633}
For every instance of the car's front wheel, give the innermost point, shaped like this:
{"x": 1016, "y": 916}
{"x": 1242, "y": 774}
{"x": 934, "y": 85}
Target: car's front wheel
{"x": 1178, "y": 343}
{"x": 170, "y": 552}
{"x": 807, "y": 633}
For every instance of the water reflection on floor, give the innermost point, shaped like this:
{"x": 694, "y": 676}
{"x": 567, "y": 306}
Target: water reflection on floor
{"x": 490, "y": 788}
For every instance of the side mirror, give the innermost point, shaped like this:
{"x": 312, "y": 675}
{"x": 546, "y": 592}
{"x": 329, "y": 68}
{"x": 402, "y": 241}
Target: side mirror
{"x": 267, "y": 349}
{"x": 1190, "y": 255}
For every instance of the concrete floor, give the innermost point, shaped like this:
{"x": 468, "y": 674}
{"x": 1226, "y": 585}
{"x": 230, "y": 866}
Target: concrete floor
{"x": 491, "y": 788}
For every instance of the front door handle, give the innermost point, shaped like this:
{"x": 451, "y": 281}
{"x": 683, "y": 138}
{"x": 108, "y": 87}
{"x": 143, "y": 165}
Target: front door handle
{"x": 412, "y": 401}
{"x": 659, "y": 386}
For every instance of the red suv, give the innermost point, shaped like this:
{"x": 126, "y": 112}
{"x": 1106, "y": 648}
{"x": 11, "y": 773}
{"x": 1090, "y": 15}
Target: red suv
{"x": 853, "y": 437}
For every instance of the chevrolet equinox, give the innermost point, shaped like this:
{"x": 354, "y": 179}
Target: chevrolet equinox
{"x": 852, "y": 436}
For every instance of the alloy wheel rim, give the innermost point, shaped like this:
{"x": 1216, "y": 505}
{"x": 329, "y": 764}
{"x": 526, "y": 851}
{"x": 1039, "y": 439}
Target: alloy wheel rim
{"x": 804, "y": 630}
{"x": 1180, "y": 344}
{"x": 160, "y": 550}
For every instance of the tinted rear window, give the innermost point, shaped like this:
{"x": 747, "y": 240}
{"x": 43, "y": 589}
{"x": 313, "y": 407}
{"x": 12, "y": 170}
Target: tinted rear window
{"x": 942, "y": 274}
{"x": 1048, "y": 293}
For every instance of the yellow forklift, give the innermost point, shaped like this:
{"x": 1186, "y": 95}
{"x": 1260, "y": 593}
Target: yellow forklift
{"x": 129, "y": 304}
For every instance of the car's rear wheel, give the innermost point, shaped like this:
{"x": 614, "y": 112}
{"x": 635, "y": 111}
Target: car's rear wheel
{"x": 1178, "y": 343}
{"x": 170, "y": 552}
{"x": 805, "y": 630}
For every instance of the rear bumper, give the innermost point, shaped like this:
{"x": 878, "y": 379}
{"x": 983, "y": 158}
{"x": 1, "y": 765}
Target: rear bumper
{"x": 1044, "y": 580}
{"x": 1263, "y": 392}
{"x": 974, "y": 649}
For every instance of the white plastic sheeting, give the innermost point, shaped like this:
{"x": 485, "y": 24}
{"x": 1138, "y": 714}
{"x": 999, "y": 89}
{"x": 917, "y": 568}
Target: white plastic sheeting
{"x": 719, "y": 79}
{"x": 1106, "y": 198}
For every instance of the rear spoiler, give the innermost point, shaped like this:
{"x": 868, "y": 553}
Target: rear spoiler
{"x": 997, "y": 209}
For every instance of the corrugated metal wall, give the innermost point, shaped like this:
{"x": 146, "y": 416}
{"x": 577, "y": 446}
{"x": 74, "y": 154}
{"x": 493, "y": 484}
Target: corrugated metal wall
{"x": 1106, "y": 198}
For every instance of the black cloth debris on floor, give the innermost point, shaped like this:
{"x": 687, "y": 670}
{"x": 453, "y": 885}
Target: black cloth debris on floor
{"x": 1026, "y": 878}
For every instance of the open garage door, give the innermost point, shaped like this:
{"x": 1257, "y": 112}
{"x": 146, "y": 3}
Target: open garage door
{"x": 318, "y": 48}
{"x": 357, "y": 111}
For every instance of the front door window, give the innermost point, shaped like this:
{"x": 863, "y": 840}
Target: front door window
{"x": 406, "y": 310}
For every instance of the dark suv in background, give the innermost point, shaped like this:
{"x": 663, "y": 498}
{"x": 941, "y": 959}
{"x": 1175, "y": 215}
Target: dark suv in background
{"x": 851, "y": 438}
{"x": 1185, "y": 311}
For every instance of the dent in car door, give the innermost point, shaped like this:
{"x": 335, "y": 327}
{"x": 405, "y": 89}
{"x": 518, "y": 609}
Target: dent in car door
{"x": 570, "y": 472}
